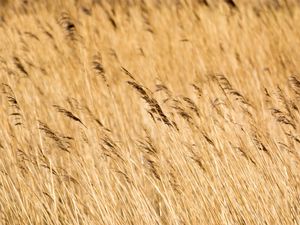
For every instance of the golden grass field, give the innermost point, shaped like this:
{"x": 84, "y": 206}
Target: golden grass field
{"x": 150, "y": 112}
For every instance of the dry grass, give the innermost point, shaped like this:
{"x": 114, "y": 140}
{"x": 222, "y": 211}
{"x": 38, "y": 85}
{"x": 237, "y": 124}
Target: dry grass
{"x": 150, "y": 112}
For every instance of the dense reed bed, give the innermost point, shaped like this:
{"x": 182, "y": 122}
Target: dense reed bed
{"x": 150, "y": 112}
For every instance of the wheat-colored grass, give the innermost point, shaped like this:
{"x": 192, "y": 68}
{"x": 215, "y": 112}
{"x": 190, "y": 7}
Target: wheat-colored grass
{"x": 150, "y": 112}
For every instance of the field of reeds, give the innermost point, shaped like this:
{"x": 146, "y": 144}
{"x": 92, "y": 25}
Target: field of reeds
{"x": 150, "y": 112}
